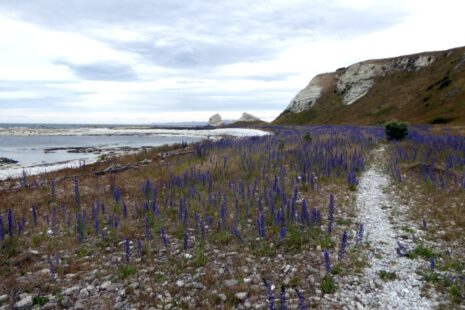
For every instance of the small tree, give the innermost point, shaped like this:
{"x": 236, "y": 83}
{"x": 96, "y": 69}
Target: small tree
{"x": 396, "y": 130}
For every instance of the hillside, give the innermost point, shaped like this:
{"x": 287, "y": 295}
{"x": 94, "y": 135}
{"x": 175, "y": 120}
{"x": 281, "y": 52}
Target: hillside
{"x": 423, "y": 88}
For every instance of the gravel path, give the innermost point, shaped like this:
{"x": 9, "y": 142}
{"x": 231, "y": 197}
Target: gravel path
{"x": 376, "y": 201}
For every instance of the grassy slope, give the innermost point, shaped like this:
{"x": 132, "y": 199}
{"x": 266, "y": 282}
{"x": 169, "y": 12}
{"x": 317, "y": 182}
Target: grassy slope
{"x": 415, "y": 97}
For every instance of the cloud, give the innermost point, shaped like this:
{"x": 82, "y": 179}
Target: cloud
{"x": 167, "y": 60}
{"x": 106, "y": 71}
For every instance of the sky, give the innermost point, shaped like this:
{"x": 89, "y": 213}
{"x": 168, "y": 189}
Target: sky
{"x": 150, "y": 61}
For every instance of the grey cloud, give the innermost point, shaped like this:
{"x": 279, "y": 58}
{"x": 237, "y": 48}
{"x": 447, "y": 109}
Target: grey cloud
{"x": 101, "y": 71}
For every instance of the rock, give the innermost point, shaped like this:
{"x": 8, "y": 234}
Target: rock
{"x": 215, "y": 120}
{"x": 241, "y": 296}
{"x": 222, "y": 297}
{"x": 71, "y": 290}
{"x": 6, "y": 161}
{"x": 106, "y": 286}
{"x": 198, "y": 285}
{"x": 4, "y": 298}
{"x": 248, "y": 118}
{"x": 180, "y": 283}
{"x": 230, "y": 283}
{"x": 24, "y": 302}
{"x": 79, "y": 305}
{"x": 83, "y": 294}
{"x": 354, "y": 82}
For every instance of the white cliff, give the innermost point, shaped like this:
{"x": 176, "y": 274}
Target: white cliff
{"x": 355, "y": 81}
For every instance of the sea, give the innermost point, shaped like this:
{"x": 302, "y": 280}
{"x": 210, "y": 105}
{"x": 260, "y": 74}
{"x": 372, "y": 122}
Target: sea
{"x": 40, "y": 148}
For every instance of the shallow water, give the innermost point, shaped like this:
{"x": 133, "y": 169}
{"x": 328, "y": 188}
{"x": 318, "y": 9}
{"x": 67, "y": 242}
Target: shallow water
{"x": 28, "y": 144}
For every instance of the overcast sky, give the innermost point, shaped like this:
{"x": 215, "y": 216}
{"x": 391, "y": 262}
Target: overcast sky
{"x": 146, "y": 61}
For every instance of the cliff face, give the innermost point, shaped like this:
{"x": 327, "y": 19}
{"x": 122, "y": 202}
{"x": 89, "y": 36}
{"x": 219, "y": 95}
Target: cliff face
{"x": 421, "y": 88}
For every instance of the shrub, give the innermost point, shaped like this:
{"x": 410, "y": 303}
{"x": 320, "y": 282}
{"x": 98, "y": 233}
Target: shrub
{"x": 396, "y": 130}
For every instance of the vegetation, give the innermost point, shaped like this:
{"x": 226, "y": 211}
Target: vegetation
{"x": 396, "y": 130}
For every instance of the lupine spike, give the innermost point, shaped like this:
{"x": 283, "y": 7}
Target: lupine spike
{"x": 127, "y": 249}
{"x": 327, "y": 261}
{"x": 10, "y": 222}
{"x": 269, "y": 295}
{"x": 148, "y": 235}
{"x": 282, "y": 299}
{"x": 343, "y": 245}
{"x": 301, "y": 305}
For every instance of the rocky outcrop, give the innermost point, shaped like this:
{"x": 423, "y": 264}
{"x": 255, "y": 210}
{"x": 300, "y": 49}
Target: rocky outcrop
{"x": 354, "y": 82}
{"x": 215, "y": 120}
{"x": 248, "y": 118}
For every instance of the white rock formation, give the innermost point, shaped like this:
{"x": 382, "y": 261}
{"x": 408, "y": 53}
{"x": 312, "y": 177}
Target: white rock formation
{"x": 307, "y": 97}
{"x": 215, "y": 120}
{"x": 354, "y": 82}
{"x": 248, "y": 118}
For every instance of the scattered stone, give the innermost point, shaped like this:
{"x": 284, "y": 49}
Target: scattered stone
{"x": 230, "y": 283}
{"x": 241, "y": 295}
{"x": 71, "y": 290}
{"x": 24, "y": 302}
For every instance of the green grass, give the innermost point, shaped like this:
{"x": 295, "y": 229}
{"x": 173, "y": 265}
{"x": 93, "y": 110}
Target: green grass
{"x": 327, "y": 285}
{"x": 125, "y": 271}
{"x": 387, "y": 275}
{"x": 39, "y": 300}
{"x": 200, "y": 259}
{"x": 421, "y": 251}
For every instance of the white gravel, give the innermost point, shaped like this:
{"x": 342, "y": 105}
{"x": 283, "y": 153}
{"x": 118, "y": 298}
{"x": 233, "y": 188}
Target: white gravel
{"x": 376, "y": 201}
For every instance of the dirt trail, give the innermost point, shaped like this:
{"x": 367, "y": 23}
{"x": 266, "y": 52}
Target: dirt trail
{"x": 377, "y": 204}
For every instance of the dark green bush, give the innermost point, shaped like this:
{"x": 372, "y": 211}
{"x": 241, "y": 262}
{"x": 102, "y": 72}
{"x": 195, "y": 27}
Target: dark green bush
{"x": 396, "y": 130}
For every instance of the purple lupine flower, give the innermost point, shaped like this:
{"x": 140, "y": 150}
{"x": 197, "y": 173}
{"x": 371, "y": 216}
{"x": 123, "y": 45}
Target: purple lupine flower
{"x": 282, "y": 299}
{"x": 223, "y": 215}
{"x": 125, "y": 210}
{"x": 196, "y": 223}
{"x": 163, "y": 237}
{"x": 270, "y": 295}
{"x": 343, "y": 245}
{"x": 282, "y": 231}
{"x": 20, "y": 228}
{"x": 330, "y": 213}
{"x": 360, "y": 232}
{"x": 185, "y": 241}
{"x": 301, "y": 305}
{"x": 10, "y": 222}
{"x": 148, "y": 235}
{"x": 139, "y": 248}
{"x": 2, "y": 233}
{"x": 127, "y": 249}
{"x": 327, "y": 261}
{"x": 115, "y": 222}
{"x": 47, "y": 219}
{"x": 236, "y": 233}
{"x": 34, "y": 215}
{"x": 432, "y": 264}
{"x": 316, "y": 216}
{"x": 77, "y": 196}
{"x": 425, "y": 225}
{"x": 304, "y": 213}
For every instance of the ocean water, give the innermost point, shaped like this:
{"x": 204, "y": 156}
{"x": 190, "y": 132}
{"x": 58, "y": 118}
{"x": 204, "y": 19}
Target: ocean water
{"x": 28, "y": 143}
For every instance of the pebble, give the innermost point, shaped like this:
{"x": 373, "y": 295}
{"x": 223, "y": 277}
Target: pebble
{"x": 230, "y": 283}
{"x": 24, "y": 302}
{"x": 71, "y": 290}
{"x": 241, "y": 295}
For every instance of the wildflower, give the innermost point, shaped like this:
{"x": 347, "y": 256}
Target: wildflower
{"x": 77, "y": 196}
{"x": 432, "y": 264}
{"x": 10, "y": 222}
{"x": 343, "y": 245}
{"x": 185, "y": 241}
{"x": 327, "y": 261}
{"x": 2, "y": 234}
{"x": 127, "y": 249}
{"x": 270, "y": 295}
{"x": 301, "y": 304}
{"x": 282, "y": 299}
{"x": 163, "y": 237}
{"x": 34, "y": 215}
